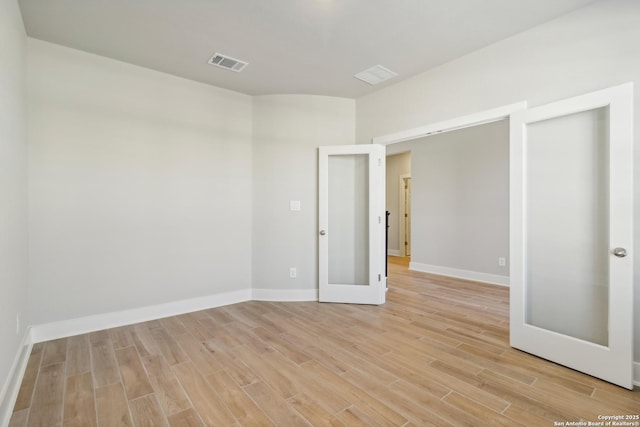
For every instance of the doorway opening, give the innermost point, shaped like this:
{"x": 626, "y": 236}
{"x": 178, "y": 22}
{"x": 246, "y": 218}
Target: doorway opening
{"x": 398, "y": 203}
{"x": 453, "y": 204}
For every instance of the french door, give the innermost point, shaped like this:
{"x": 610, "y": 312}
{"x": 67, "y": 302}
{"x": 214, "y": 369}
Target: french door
{"x": 571, "y": 233}
{"x": 351, "y": 224}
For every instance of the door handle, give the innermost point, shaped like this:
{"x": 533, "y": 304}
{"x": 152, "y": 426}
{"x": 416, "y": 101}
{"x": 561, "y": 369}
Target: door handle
{"x": 620, "y": 252}
{"x": 322, "y": 232}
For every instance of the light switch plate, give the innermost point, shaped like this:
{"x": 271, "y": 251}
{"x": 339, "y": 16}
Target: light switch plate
{"x": 294, "y": 205}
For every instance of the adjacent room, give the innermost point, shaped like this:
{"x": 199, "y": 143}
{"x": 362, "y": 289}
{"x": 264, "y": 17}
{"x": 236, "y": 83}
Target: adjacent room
{"x": 193, "y": 197}
{"x": 454, "y": 189}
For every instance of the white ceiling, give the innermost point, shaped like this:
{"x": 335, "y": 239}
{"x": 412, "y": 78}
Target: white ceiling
{"x": 292, "y": 46}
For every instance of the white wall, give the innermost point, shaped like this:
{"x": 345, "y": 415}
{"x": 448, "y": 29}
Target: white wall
{"x": 460, "y": 200}
{"x": 397, "y": 165}
{"x": 287, "y": 131}
{"x": 13, "y": 191}
{"x": 140, "y": 186}
{"x": 592, "y": 48}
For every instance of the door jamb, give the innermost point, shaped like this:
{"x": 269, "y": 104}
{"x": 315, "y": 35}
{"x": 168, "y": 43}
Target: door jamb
{"x": 401, "y": 208}
{"x": 481, "y": 118}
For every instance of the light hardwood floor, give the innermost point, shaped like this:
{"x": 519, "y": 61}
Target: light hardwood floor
{"x": 436, "y": 353}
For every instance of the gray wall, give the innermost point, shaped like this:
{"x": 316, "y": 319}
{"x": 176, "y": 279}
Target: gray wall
{"x": 140, "y": 186}
{"x": 460, "y": 198}
{"x": 13, "y": 190}
{"x": 397, "y": 165}
{"x": 590, "y": 49}
{"x": 287, "y": 131}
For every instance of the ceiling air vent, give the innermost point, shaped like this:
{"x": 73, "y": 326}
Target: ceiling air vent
{"x": 227, "y": 62}
{"x": 376, "y": 74}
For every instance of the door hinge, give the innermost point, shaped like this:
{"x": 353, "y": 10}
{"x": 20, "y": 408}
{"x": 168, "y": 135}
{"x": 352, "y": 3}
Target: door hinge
{"x": 379, "y": 161}
{"x": 379, "y": 277}
{"x": 379, "y": 220}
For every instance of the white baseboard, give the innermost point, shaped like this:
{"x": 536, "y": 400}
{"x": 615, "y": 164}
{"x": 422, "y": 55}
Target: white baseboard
{"x": 494, "y": 279}
{"x": 10, "y": 389}
{"x": 394, "y": 252}
{"x": 636, "y": 373}
{"x": 284, "y": 294}
{"x": 98, "y": 322}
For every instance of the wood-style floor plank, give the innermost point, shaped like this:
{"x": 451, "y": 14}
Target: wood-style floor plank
{"x": 354, "y": 417}
{"x": 436, "y": 354}
{"x": 198, "y": 354}
{"x": 258, "y": 363}
{"x": 203, "y": 396}
{"x": 104, "y": 364}
{"x": 78, "y": 355}
{"x": 146, "y": 412}
{"x": 79, "y": 401}
{"x": 234, "y": 367}
{"x": 166, "y": 386}
{"x": 55, "y": 352}
{"x": 358, "y": 396}
{"x": 121, "y": 337}
{"x": 186, "y": 418}
{"x": 313, "y": 411}
{"x": 25, "y": 394}
{"x": 142, "y": 336}
{"x": 168, "y": 346}
{"x": 48, "y": 397}
{"x": 238, "y": 402}
{"x": 134, "y": 377}
{"x": 19, "y": 418}
{"x": 112, "y": 407}
{"x": 276, "y": 407}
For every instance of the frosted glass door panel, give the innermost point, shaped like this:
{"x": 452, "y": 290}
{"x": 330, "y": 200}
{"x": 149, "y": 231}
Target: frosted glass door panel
{"x": 348, "y": 216}
{"x": 567, "y": 225}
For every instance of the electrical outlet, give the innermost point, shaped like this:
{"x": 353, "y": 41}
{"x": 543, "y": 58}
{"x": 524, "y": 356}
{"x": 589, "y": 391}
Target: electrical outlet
{"x": 502, "y": 262}
{"x": 293, "y": 273}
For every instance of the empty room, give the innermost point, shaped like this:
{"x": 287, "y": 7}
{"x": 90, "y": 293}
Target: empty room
{"x": 193, "y": 197}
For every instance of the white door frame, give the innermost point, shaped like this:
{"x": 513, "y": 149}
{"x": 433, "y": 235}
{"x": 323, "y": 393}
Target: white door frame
{"x": 481, "y": 118}
{"x": 402, "y": 200}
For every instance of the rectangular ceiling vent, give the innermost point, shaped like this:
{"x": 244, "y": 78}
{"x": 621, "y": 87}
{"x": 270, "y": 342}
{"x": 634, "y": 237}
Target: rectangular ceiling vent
{"x": 227, "y": 62}
{"x": 376, "y": 74}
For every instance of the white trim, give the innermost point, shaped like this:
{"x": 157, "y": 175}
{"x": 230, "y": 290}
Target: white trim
{"x": 493, "y": 279}
{"x": 284, "y": 294}
{"x": 394, "y": 252}
{"x": 636, "y": 373}
{"x": 483, "y": 117}
{"x": 11, "y": 387}
{"x": 82, "y": 325}
{"x": 402, "y": 200}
